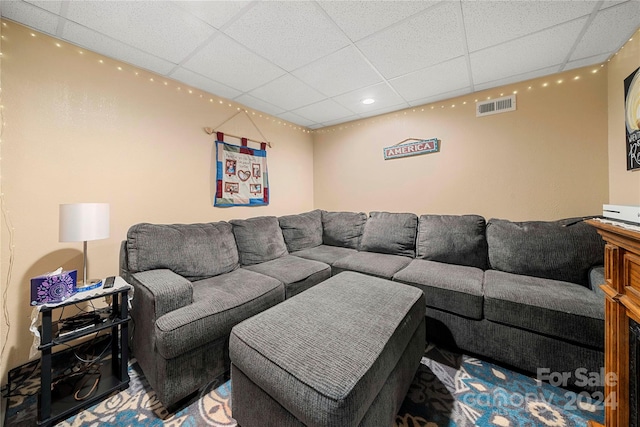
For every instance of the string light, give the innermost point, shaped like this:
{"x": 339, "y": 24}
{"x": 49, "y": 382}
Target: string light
{"x": 360, "y": 123}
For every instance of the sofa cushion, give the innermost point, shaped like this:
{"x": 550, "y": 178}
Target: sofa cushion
{"x": 562, "y": 250}
{"x": 297, "y": 274}
{"x": 371, "y": 263}
{"x": 550, "y": 307}
{"x": 220, "y": 303}
{"x": 390, "y": 233}
{"x": 342, "y": 229}
{"x": 259, "y": 239}
{"x": 302, "y": 231}
{"x": 454, "y": 239}
{"x": 453, "y": 288}
{"x": 325, "y": 253}
{"x": 194, "y": 251}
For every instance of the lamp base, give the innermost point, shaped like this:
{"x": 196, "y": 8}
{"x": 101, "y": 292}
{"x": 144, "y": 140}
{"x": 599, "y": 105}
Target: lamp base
{"x": 87, "y": 286}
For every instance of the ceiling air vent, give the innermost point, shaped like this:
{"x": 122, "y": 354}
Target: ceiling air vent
{"x": 495, "y": 106}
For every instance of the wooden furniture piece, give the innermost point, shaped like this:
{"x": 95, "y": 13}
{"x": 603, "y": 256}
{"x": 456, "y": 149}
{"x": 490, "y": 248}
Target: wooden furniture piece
{"x": 114, "y": 375}
{"x": 622, "y": 289}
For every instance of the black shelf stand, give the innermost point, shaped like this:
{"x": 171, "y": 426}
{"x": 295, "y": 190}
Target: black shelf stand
{"x": 113, "y": 376}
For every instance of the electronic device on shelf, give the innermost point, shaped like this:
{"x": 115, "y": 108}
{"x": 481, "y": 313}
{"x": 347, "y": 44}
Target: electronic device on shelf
{"x": 81, "y": 322}
{"x": 108, "y": 283}
{"x": 629, "y": 214}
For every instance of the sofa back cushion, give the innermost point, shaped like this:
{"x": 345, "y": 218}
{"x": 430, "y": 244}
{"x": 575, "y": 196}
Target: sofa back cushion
{"x": 302, "y": 231}
{"x": 453, "y": 239}
{"x": 390, "y": 233}
{"x": 560, "y": 250}
{"x": 259, "y": 239}
{"x": 194, "y": 251}
{"x": 342, "y": 229}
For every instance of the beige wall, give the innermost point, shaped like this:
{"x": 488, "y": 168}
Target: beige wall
{"x": 545, "y": 161}
{"x": 624, "y": 185}
{"x": 80, "y": 131}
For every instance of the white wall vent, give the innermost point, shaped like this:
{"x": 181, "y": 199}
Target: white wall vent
{"x": 495, "y": 106}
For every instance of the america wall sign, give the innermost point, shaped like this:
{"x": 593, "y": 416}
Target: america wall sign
{"x": 418, "y": 146}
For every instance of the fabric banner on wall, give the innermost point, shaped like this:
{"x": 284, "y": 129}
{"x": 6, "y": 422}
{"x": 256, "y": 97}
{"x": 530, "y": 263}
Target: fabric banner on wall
{"x": 241, "y": 175}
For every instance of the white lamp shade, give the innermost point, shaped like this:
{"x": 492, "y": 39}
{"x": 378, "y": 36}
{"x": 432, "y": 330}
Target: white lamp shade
{"x": 80, "y": 222}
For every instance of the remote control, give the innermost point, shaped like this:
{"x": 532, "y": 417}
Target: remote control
{"x": 108, "y": 283}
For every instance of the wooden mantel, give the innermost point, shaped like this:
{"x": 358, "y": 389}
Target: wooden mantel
{"x": 622, "y": 302}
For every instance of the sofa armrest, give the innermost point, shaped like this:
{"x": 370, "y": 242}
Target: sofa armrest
{"x": 596, "y": 278}
{"x": 161, "y": 291}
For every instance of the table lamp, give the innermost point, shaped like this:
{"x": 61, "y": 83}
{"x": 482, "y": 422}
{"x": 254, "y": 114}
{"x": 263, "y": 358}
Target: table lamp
{"x": 80, "y": 222}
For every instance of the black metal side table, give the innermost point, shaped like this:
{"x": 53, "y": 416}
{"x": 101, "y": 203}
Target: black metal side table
{"x": 113, "y": 376}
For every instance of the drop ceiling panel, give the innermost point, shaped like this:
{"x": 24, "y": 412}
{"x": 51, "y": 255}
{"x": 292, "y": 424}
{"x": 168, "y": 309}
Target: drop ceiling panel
{"x": 51, "y": 5}
{"x": 197, "y": 81}
{"x": 290, "y": 34}
{"x": 489, "y": 23}
{"x": 339, "y": 72}
{"x": 324, "y": 111}
{"x": 359, "y": 19}
{"x": 294, "y": 118}
{"x": 382, "y": 93}
{"x": 214, "y": 13}
{"x": 96, "y": 42}
{"x": 609, "y": 3}
{"x": 422, "y": 41}
{"x": 225, "y": 60}
{"x": 444, "y": 77}
{"x": 343, "y": 120}
{"x": 586, "y": 61}
{"x": 599, "y": 37}
{"x": 258, "y": 104}
{"x": 287, "y": 92}
{"x": 384, "y": 110}
{"x": 540, "y": 50}
{"x": 30, "y": 15}
{"x": 518, "y": 78}
{"x": 295, "y": 60}
{"x": 159, "y": 28}
{"x": 440, "y": 97}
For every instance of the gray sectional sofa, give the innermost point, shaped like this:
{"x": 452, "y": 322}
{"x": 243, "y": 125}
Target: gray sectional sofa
{"x": 521, "y": 293}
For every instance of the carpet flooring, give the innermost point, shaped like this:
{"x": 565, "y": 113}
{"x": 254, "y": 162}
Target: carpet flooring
{"x": 449, "y": 389}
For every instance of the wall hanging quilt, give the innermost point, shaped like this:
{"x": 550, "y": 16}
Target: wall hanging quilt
{"x": 241, "y": 174}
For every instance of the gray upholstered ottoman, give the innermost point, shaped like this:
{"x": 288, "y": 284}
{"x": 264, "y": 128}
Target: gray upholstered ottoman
{"x": 342, "y": 353}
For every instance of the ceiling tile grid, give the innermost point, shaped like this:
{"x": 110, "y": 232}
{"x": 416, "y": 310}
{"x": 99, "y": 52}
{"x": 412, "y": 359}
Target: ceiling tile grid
{"x": 30, "y": 15}
{"x": 444, "y": 77}
{"x": 359, "y": 19}
{"x": 529, "y": 53}
{"x": 313, "y": 62}
{"x": 227, "y": 61}
{"x": 425, "y": 40}
{"x": 91, "y": 40}
{"x": 159, "y": 28}
{"x": 339, "y": 72}
{"x": 290, "y": 34}
{"x": 599, "y": 38}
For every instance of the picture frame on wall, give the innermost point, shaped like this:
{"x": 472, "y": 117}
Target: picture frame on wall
{"x": 632, "y": 119}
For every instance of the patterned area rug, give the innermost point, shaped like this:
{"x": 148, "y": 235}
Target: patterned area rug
{"x": 448, "y": 390}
